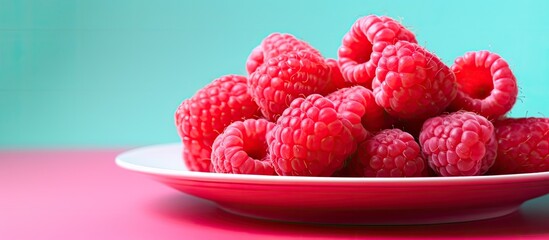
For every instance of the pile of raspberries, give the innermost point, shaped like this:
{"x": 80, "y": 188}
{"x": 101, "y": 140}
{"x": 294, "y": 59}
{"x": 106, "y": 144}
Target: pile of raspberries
{"x": 387, "y": 107}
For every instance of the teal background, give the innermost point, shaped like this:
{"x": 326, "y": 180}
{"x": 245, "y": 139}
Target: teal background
{"x": 111, "y": 73}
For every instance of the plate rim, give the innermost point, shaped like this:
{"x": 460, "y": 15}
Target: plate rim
{"x": 121, "y": 161}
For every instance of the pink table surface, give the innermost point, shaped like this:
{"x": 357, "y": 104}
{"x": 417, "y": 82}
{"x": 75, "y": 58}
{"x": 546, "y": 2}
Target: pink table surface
{"x": 82, "y": 194}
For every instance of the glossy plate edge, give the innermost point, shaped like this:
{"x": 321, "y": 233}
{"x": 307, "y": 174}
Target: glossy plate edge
{"x": 123, "y": 161}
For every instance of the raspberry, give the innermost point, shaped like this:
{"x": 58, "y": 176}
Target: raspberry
{"x": 274, "y": 45}
{"x": 459, "y": 144}
{"x": 390, "y": 153}
{"x": 412, "y": 83}
{"x": 486, "y": 84}
{"x": 242, "y": 148}
{"x": 202, "y": 117}
{"x": 281, "y": 79}
{"x": 336, "y": 80}
{"x": 523, "y": 145}
{"x": 357, "y": 104}
{"x": 361, "y": 47}
{"x": 310, "y": 139}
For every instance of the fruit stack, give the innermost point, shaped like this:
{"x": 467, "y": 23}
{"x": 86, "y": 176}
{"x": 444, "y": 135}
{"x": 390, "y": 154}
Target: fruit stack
{"x": 387, "y": 107}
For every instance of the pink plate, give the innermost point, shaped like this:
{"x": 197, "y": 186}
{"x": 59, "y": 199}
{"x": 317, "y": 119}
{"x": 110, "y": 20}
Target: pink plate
{"x": 342, "y": 200}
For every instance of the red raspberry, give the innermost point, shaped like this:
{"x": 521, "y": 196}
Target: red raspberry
{"x": 202, "y": 117}
{"x": 361, "y": 47}
{"x": 523, "y": 145}
{"x": 459, "y": 144}
{"x": 281, "y": 79}
{"x": 390, "y": 153}
{"x": 242, "y": 148}
{"x": 486, "y": 84}
{"x": 412, "y": 83}
{"x": 310, "y": 139}
{"x": 357, "y": 104}
{"x": 336, "y": 80}
{"x": 274, "y": 45}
